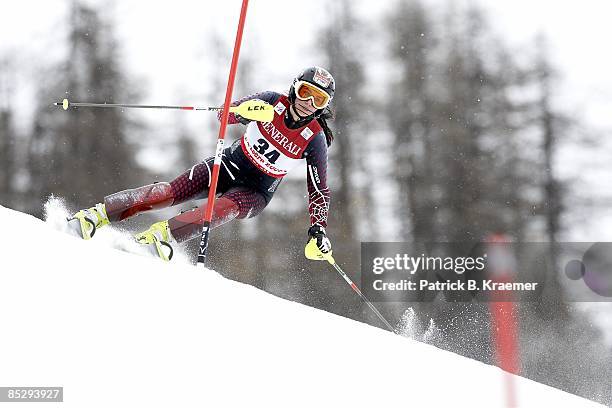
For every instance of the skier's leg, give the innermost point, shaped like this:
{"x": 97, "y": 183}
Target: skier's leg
{"x": 236, "y": 203}
{"x": 188, "y": 224}
{"x": 191, "y": 183}
{"x": 127, "y": 203}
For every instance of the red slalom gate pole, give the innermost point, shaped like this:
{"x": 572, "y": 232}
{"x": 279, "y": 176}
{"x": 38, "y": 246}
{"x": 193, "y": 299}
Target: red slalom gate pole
{"x": 220, "y": 141}
{"x": 503, "y": 315}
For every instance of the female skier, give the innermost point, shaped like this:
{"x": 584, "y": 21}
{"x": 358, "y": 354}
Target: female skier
{"x": 251, "y": 170}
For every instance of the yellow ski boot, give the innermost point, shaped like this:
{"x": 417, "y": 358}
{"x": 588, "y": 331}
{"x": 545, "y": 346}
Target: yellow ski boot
{"x": 89, "y": 221}
{"x": 158, "y": 235}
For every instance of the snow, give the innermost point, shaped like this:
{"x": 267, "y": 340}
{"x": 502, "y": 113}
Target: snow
{"x": 117, "y": 329}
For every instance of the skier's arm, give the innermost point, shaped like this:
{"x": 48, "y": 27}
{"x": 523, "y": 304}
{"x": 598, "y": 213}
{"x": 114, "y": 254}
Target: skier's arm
{"x": 319, "y": 196}
{"x": 266, "y": 96}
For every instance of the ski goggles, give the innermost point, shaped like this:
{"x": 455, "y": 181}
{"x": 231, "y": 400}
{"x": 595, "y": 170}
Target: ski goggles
{"x": 305, "y": 90}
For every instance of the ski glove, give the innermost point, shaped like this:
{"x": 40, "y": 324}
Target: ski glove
{"x": 322, "y": 245}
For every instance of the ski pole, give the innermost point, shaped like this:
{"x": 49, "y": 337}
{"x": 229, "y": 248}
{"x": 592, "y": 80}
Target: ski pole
{"x": 253, "y": 109}
{"x": 348, "y": 280}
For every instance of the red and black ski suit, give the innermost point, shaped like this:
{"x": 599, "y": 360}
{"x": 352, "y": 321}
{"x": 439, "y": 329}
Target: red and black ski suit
{"x": 251, "y": 171}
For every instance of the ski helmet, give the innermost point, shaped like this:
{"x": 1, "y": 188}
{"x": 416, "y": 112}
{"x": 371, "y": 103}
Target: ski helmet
{"x": 320, "y": 78}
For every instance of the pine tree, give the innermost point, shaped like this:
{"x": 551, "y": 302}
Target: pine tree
{"x": 7, "y": 159}
{"x": 341, "y": 45}
{"x": 84, "y": 154}
{"x": 409, "y": 109}
{"x": 8, "y": 139}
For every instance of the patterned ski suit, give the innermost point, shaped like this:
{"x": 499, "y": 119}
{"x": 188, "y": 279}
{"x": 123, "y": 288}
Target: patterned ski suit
{"x": 251, "y": 170}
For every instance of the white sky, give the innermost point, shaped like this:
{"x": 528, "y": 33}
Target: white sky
{"x": 166, "y": 44}
{"x": 163, "y": 41}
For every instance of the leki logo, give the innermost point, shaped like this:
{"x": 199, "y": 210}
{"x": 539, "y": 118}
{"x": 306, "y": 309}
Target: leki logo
{"x": 256, "y": 108}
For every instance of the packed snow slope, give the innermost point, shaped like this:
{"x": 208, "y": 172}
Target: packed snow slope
{"x": 122, "y": 330}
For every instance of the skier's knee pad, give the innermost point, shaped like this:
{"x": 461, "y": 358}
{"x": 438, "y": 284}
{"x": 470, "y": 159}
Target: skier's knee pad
{"x": 128, "y": 203}
{"x": 188, "y": 224}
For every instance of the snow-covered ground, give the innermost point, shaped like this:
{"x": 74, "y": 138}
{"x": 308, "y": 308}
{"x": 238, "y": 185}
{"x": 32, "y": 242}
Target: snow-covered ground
{"x": 122, "y": 330}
